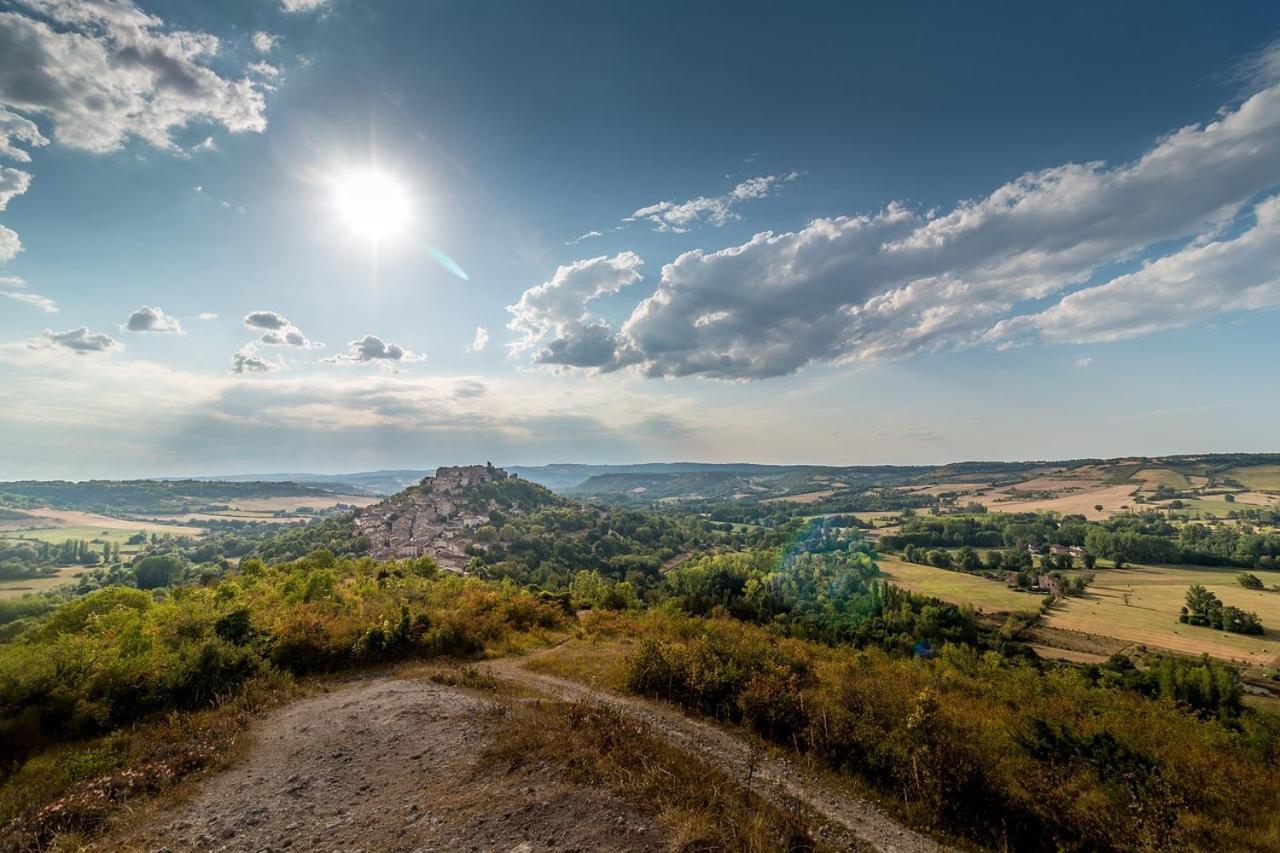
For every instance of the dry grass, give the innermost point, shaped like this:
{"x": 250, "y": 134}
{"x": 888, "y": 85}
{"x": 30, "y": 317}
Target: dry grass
{"x": 1111, "y": 498}
{"x": 1151, "y": 617}
{"x": 703, "y": 808}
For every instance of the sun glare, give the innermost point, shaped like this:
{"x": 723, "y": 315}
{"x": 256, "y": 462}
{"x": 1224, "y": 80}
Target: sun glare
{"x": 372, "y": 203}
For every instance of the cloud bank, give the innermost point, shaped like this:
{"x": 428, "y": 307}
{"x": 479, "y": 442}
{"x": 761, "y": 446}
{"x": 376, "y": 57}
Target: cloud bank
{"x": 899, "y": 281}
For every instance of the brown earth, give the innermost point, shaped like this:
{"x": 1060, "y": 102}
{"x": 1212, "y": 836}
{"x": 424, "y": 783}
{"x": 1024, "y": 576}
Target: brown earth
{"x": 388, "y": 764}
{"x": 395, "y": 763}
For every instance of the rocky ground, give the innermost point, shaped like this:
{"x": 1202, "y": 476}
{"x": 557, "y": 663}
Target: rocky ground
{"x": 386, "y": 764}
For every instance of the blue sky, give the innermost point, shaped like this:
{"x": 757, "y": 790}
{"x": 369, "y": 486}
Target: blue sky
{"x": 826, "y": 233}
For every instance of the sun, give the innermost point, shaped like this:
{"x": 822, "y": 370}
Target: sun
{"x": 372, "y": 203}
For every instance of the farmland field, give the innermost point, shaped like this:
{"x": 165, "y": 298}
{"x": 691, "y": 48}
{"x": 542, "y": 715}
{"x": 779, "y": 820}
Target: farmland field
{"x": 1151, "y": 616}
{"x": 1264, "y": 478}
{"x": 956, "y": 587}
{"x": 1111, "y": 498}
{"x": 1153, "y": 477}
{"x": 17, "y": 588}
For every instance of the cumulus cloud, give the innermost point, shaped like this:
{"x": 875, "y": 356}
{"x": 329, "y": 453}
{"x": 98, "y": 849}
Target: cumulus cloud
{"x": 265, "y": 42}
{"x": 558, "y": 310}
{"x": 44, "y": 303}
{"x": 898, "y": 281}
{"x": 302, "y": 5}
{"x": 13, "y": 183}
{"x": 372, "y": 349}
{"x": 208, "y": 315}
{"x": 480, "y": 341}
{"x": 1201, "y": 280}
{"x": 102, "y": 72}
{"x": 10, "y": 245}
{"x": 264, "y": 69}
{"x": 679, "y": 217}
{"x": 19, "y": 130}
{"x": 148, "y": 319}
{"x": 249, "y": 360}
{"x": 80, "y": 341}
{"x": 278, "y": 331}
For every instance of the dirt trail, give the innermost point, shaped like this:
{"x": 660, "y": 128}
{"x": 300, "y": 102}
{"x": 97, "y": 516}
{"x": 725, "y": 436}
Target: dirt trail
{"x": 390, "y": 764}
{"x": 775, "y": 779}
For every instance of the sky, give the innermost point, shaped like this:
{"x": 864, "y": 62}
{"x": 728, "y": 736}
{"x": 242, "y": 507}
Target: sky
{"x": 331, "y": 235}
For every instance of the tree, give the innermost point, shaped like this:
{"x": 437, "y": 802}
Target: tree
{"x": 1089, "y": 561}
{"x": 1249, "y": 581}
{"x": 157, "y": 571}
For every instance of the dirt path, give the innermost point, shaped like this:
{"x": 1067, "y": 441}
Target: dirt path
{"x": 776, "y": 779}
{"x": 387, "y": 763}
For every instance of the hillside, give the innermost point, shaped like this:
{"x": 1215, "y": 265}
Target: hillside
{"x": 440, "y": 517}
{"x": 144, "y": 496}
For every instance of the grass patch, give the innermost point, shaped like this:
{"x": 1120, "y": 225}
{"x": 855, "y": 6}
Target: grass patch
{"x": 955, "y": 586}
{"x": 67, "y": 794}
{"x": 1262, "y": 478}
{"x": 703, "y": 808}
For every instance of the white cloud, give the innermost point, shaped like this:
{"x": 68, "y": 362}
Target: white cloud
{"x": 1087, "y": 361}
{"x": 261, "y": 319}
{"x": 1199, "y": 281}
{"x": 13, "y": 183}
{"x": 148, "y": 319}
{"x": 249, "y": 360}
{"x": 277, "y": 331}
{"x": 587, "y": 236}
{"x": 372, "y": 349}
{"x": 680, "y": 217}
{"x": 10, "y": 245}
{"x": 264, "y": 69}
{"x": 302, "y": 5}
{"x": 557, "y": 309}
{"x": 12, "y": 281}
{"x": 208, "y": 315}
{"x": 80, "y": 341}
{"x": 16, "y": 129}
{"x": 44, "y": 303}
{"x": 102, "y": 72}
{"x": 899, "y": 281}
{"x": 265, "y": 42}
{"x": 480, "y": 341}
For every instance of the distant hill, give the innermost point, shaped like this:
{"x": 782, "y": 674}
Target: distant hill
{"x": 144, "y": 496}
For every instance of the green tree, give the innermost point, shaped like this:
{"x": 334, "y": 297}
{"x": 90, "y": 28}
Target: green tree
{"x": 157, "y": 571}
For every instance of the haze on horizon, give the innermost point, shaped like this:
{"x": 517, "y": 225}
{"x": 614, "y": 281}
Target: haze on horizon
{"x": 334, "y": 236}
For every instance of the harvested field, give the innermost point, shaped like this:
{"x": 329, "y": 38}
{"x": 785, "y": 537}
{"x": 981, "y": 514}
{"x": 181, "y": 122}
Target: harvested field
{"x": 806, "y": 498}
{"x": 1110, "y": 497}
{"x": 47, "y": 517}
{"x": 1151, "y": 617}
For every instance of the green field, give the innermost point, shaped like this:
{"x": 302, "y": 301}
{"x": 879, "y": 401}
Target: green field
{"x": 956, "y": 587}
{"x": 1262, "y": 478}
{"x": 58, "y": 535}
{"x": 17, "y": 588}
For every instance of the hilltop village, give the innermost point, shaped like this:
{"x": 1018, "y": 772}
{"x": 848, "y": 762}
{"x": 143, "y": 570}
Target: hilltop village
{"x": 434, "y": 519}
